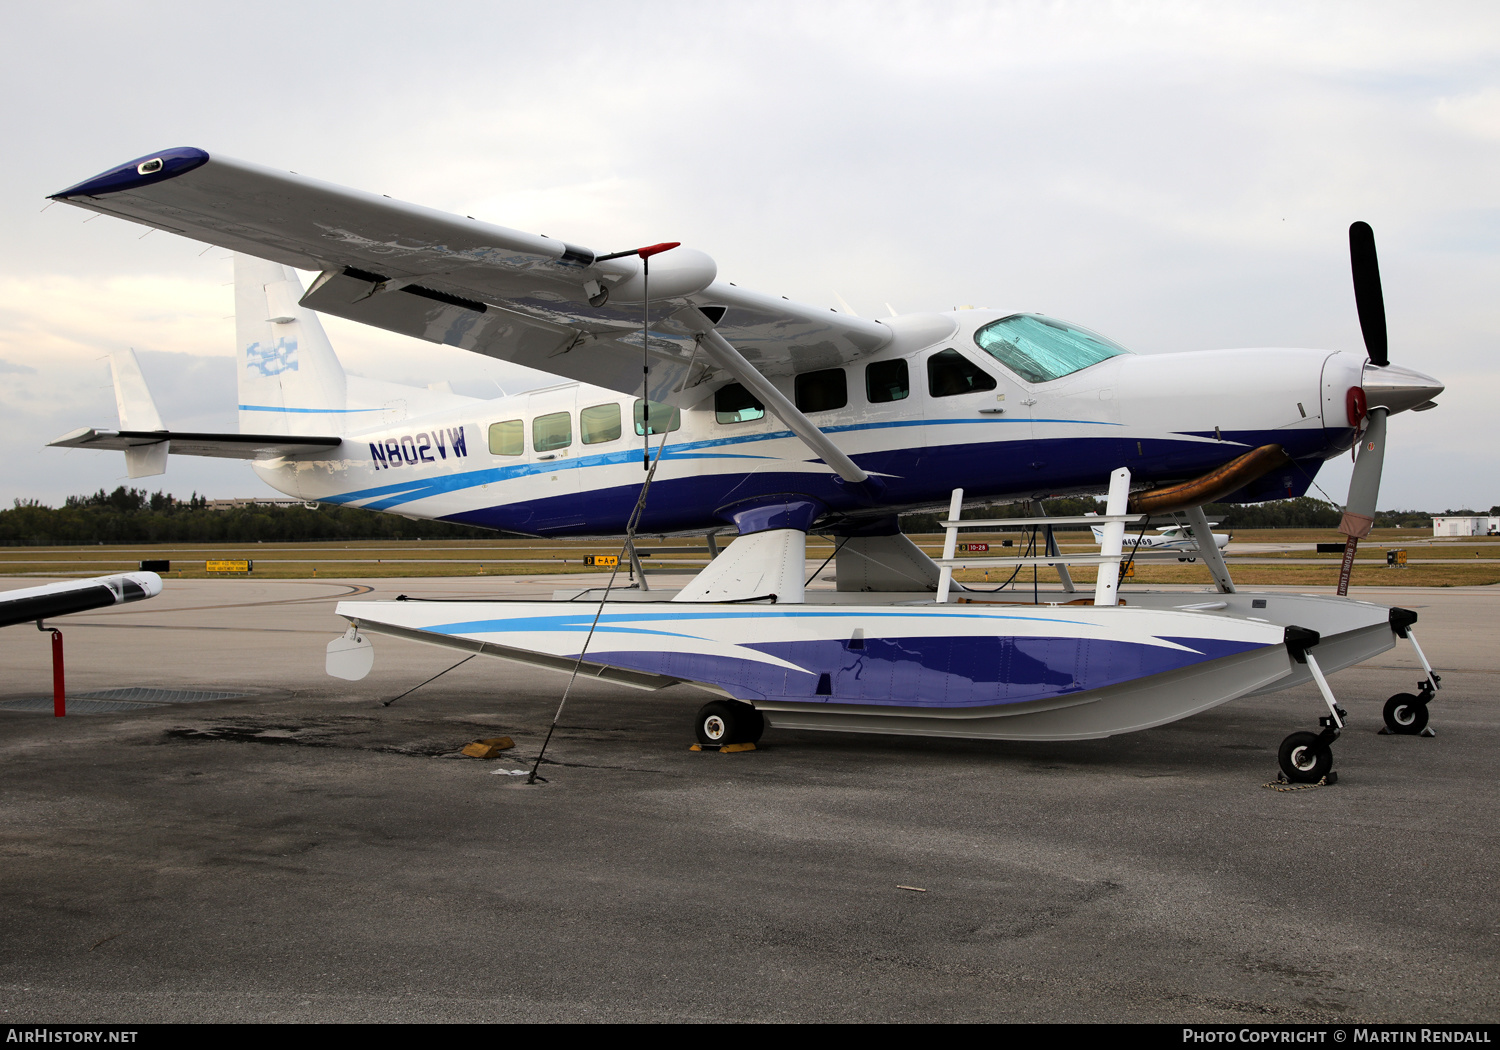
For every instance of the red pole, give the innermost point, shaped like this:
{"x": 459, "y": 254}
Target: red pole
{"x": 59, "y": 696}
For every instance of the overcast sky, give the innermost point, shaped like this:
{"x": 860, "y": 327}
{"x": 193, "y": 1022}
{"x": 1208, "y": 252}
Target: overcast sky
{"x": 1177, "y": 176}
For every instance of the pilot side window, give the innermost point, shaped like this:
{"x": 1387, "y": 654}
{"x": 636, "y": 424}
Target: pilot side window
{"x": 508, "y": 438}
{"x": 552, "y": 431}
{"x": 735, "y": 404}
{"x": 822, "y": 391}
{"x": 659, "y": 413}
{"x": 599, "y": 423}
{"x": 887, "y": 381}
{"x": 949, "y": 373}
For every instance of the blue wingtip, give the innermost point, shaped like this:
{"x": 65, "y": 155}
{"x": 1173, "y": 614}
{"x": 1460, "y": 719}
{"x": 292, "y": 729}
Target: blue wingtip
{"x": 143, "y": 171}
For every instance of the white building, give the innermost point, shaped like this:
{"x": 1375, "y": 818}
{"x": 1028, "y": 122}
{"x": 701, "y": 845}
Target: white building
{"x": 1465, "y": 525}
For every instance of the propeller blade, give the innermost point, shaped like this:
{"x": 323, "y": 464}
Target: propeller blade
{"x": 1364, "y": 486}
{"x": 1368, "y": 298}
{"x": 1364, "y": 490}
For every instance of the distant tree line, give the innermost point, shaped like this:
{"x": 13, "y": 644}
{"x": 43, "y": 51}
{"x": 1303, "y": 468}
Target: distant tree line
{"x": 1303, "y": 512}
{"x": 133, "y": 516}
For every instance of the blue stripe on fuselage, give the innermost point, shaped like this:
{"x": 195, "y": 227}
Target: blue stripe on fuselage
{"x": 914, "y": 476}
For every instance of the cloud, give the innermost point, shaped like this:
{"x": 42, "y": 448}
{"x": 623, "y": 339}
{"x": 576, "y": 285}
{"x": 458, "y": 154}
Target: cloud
{"x": 1477, "y": 114}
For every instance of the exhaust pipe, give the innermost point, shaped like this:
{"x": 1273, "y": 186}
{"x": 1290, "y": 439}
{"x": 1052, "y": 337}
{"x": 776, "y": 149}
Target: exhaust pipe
{"x": 1217, "y": 483}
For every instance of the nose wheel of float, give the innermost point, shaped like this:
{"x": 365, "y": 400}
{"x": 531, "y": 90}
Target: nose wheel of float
{"x": 1406, "y": 713}
{"x": 1307, "y": 758}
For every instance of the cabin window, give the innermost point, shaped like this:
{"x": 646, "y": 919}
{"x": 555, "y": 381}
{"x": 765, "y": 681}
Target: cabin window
{"x": 735, "y": 404}
{"x": 1040, "y": 349}
{"x": 659, "y": 412}
{"x": 599, "y": 423}
{"x": 552, "y": 431}
{"x": 949, "y": 373}
{"x": 508, "y": 438}
{"x": 822, "y": 391}
{"x": 887, "y": 381}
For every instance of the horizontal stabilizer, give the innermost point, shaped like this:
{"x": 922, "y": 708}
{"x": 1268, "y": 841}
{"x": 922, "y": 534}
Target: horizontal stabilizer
{"x": 220, "y": 446}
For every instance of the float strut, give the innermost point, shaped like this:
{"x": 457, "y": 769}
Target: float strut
{"x": 950, "y": 541}
{"x": 1107, "y": 589}
{"x": 1431, "y": 686}
{"x": 1333, "y": 708}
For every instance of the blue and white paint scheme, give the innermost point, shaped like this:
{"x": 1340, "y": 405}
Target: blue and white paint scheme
{"x": 777, "y": 418}
{"x": 1011, "y": 672}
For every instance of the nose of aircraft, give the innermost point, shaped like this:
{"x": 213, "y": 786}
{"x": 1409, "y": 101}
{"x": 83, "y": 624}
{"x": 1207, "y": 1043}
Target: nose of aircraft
{"x": 1398, "y": 389}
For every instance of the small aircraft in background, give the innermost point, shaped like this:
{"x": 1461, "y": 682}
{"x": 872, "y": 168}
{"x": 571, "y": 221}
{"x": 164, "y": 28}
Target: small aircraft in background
{"x": 746, "y": 411}
{"x": 1177, "y": 537}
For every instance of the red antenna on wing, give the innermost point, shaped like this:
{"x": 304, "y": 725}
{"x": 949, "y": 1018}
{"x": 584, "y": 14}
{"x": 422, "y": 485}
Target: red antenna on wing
{"x": 645, "y": 254}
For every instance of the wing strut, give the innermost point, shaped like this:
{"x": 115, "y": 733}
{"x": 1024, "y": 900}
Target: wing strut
{"x": 723, "y": 354}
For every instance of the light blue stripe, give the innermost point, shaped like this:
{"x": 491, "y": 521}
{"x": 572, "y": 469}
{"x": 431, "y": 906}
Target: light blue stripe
{"x": 583, "y": 619}
{"x": 313, "y": 411}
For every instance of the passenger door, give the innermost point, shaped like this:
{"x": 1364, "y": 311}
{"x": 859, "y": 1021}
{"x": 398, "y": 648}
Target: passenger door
{"x": 552, "y": 449}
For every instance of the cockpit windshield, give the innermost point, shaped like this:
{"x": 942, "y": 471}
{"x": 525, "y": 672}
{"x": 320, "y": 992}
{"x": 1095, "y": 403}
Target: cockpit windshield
{"x": 1040, "y": 349}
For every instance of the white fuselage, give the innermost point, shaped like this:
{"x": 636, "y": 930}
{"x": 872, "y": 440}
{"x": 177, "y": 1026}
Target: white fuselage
{"x": 1167, "y": 416}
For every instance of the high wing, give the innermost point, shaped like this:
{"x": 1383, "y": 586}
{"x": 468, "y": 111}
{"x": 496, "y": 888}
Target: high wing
{"x": 456, "y": 280}
{"x": 222, "y": 446}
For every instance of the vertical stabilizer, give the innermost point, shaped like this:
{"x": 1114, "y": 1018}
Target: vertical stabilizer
{"x": 290, "y": 380}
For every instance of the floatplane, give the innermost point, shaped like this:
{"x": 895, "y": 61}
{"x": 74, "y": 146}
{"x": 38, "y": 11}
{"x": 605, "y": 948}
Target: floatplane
{"x": 688, "y": 404}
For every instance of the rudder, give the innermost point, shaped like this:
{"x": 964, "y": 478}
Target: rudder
{"x": 290, "y": 381}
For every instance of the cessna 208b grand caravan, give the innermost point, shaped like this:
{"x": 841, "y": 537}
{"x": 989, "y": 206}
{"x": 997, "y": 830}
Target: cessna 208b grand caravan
{"x": 776, "y": 418}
